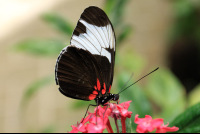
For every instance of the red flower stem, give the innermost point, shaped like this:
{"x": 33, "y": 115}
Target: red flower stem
{"x": 109, "y": 128}
{"x": 116, "y": 124}
{"x": 123, "y": 119}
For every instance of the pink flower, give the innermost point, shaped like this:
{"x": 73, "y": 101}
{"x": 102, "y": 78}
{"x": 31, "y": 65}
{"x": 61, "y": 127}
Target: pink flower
{"x": 102, "y": 113}
{"x": 95, "y": 128}
{"x": 164, "y": 129}
{"x": 78, "y": 128}
{"x": 120, "y": 110}
{"x": 123, "y": 108}
{"x": 99, "y": 120}
{"x": 147, "y": 124}
{"x": 96, "y": 125}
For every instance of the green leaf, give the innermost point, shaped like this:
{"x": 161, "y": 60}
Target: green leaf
{"x": 195, "y": 129}
{"x": 139, "y": 105}
{"x": 40, "y": 47}
{"x": 119, "y": 125}
{"x": 59, "y": 23}
{"x": 193, "y": 96}
{"x": 183, "y": 8}
{"x": 108, "y": 6}
{"x": 167, "y": 93}
{"x": 186, "y": 20}
{"x": 34, "y": 88}
{"x": 124, "y": 33}
{"x": 118, "y": 12}
{"x": 130, "y": 61}
{"x": 128, "y": 125}
{"x": 115, "y": 10}
{"x": 189, "y": 120}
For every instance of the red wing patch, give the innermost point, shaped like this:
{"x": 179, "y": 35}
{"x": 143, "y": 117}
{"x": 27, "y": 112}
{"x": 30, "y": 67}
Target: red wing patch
{"x": 109, "y": 89}
{"x": 92, "y": 96}
{"x": 98, "y": 85}
{"x": 98, "y": 88}
{"x": 103, "y": 91}
{"x": 95, "y": 92}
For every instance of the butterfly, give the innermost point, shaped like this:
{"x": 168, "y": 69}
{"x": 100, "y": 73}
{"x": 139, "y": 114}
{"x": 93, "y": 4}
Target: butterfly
{"x": 84, "y": 70}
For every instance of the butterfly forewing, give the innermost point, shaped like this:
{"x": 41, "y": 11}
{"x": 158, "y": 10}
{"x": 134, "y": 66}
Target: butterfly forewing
{"x": 84, "y": 69}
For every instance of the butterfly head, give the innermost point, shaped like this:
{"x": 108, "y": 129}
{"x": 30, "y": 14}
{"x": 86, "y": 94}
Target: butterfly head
{"x": 115, "y": 97}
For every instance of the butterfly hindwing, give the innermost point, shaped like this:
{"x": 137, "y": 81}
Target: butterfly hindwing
{"x": 89, "y": 59}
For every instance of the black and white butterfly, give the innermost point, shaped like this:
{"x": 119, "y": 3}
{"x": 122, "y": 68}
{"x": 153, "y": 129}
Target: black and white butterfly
{"x": 84, "y": 69}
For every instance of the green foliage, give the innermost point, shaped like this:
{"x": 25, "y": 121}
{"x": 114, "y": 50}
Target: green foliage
{"x": 188, "y": 121}
{"x": 183, "y": 8}
{"x": 167, "y": 93}
{"x": 193, "y": 97}
{"x": 115, "y": 10}
{"x": 187, "y": 21}
{"x": 128, "y": 126}
{"x": 40, "y": 47}
{"x": 108, "y": 6}
{"x": 34, "y": 88}
{"x": 59, "y": 23}
{"x": 130, "y": 61}
{"x": 125, "y": 32}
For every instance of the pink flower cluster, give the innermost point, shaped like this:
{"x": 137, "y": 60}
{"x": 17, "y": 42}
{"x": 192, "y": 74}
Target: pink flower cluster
{"x": 97, "y": 124}
{"x": 147, "y": 124}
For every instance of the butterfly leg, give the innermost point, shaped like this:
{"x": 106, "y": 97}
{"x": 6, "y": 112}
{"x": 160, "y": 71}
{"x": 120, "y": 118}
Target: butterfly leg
{"x": 97, "y": 111}
{"x": 87, "y": 110}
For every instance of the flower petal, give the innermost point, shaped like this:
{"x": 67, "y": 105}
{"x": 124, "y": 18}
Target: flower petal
{"x": 140, "y": 129}
{"x": 157, "y": 122}
{"x": 126, "y": 104}
{"x": 148, "y": 118}
{"x": 95, "y": 128}
{"x": 138, "y": 120}
{"x": 163, "y": 129}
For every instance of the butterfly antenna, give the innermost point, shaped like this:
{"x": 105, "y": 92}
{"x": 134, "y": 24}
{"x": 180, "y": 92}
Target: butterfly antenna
{"x": 139, "y": 80}
{"x": 126, "y": 82}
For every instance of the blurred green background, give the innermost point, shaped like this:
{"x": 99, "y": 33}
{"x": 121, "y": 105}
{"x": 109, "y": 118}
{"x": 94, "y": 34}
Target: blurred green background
{"x": 150, "y": 34}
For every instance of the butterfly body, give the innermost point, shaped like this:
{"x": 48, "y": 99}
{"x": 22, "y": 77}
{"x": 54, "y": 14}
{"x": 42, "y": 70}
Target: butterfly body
{"x": 102, "y": 100}
{"x": 84, "y": 69}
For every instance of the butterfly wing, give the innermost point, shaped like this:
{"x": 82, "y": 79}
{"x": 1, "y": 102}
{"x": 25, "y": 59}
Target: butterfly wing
{"x": 88, "y": 62}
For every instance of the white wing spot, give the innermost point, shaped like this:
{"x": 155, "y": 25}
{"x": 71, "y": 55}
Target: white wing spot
{"x": 99, "y": 36}
{"x": 95, "y": 40}
{"x": 105, "y": 53}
